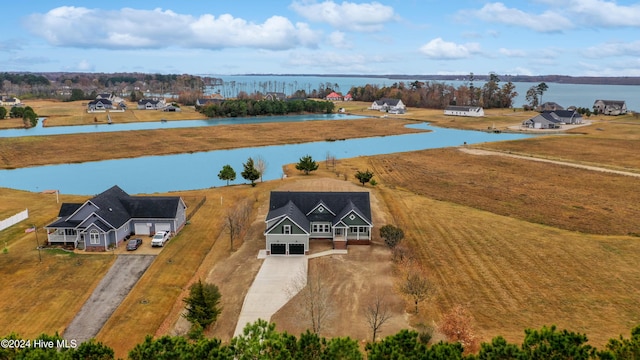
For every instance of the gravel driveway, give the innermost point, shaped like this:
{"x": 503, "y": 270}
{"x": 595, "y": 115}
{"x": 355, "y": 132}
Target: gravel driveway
{"x": 114, "y": 287}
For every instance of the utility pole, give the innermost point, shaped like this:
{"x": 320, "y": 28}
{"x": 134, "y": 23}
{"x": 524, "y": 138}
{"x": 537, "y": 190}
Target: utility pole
{"x": 37, "y": 242}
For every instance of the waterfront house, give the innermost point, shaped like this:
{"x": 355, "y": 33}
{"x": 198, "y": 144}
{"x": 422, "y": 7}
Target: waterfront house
{"x": 610, "y": 107}
{"x": 473, "y": 111}
{"x": 151, "y": 104}
{"x": 99, "y": 105}
{"x": 272, "y": 95}
{"x": 295, "y": 218}
{"x": 394, "y": 106}
{"x": 109, "y": 218}
{"x": 334, "y": 96}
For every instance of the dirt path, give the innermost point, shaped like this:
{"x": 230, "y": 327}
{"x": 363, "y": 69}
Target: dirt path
{"x": 104, "y": 300}
{"x": 580, "y": 166}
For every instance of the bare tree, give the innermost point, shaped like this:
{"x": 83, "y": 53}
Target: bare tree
{"x": 314, "y": 294}
{"x": 415, "y": 284}
{"x": 261, "y": 165}
{"x": 377, "y": 313}
{"x": 237, "y": 219}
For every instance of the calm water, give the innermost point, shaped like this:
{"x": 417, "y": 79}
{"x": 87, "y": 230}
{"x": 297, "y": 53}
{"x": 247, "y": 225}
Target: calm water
{"x": 80, "y": 129}
{"x": 563, "y": 94}
{"x": 200, "y": 170}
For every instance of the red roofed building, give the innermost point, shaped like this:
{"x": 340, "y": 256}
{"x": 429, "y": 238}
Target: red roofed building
{"x": 334, "y": 96}
{"x": 348, "y": 97}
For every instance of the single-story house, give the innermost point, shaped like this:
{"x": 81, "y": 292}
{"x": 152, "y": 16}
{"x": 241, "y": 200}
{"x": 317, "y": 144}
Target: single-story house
{"x": 347, "y": 97}
{"x": 394, "y": 106}
{"x": 151, "y": 104}
{"x": 295, "y": 218}
{"x": 110, "y": 217}
{"x": 99, "y": 104}
{"x": 172, "y": 108}
{"x": 610, "y": 107}
{"x": 550, "y": 106}
{"x": 272, "y": 95}
{"x": 474, "y": 111}
{"x": 334, "y": 96}
{"x": 207, "y": 101}
{"x": 10, "y": 101}
{"x": 105, "y": 96}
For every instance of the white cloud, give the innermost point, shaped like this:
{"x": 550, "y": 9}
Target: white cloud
{"x": 365, "y": 17}
{"x": 603, "y": 13}
{"x": 338, "y": 40}
{"x": 440, "y": 49}
{"x": 613, "y": 49}
{"x": 84, "y": 65}
{"x": 512, "y": 52}
{"x": 497, "y": 12}
{"x": 131, "y": 28}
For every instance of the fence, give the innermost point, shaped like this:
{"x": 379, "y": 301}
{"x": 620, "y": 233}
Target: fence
{"x": 23, "y": 215}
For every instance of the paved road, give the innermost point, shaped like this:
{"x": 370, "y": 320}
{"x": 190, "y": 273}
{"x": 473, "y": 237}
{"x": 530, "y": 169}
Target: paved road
{"x": 105, "y": 299}
{"x": 272, "y": 288}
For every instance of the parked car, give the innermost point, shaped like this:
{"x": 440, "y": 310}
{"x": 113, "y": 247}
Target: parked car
{"x": 133, "y": 244}
{"x": 160, "y": 238}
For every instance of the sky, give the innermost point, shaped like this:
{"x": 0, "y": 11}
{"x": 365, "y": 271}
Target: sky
{"x": 412, "y": 37}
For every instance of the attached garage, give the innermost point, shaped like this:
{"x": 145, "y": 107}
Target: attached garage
{"x": 142, "y": 229}
{"x": 296, "y": 249}
{"x": 278, "y": 249}
{"x": 163, "y": 227}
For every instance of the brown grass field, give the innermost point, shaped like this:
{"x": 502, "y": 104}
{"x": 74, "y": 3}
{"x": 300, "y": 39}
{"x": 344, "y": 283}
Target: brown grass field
{"x": 521, "y": 244}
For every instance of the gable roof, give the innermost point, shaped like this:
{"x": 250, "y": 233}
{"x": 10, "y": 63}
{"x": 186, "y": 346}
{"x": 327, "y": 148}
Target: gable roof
{"x": 388, "y": 101}
{"x": 292, "y": 212}
{"x": 462, "y": 108}
{"x": 116, "y": 207}
{"x": 306, "y": 202}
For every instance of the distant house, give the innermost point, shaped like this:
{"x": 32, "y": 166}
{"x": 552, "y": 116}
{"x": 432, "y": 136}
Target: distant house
{"x": 151, "y": 104}
{"x": 171, "y": 108}
{"x": 99, "y": 104}
{"x": 10, "y": 101}
{"x": 275, "y": 96}
{"x": 394, "y": 106}
{"x": 208, "y": 101}
{"x": 347, "y": 97}
{"x": 111, "y": 216}
{"x": 105, "y": 96}
{"x": 334, "y": 96}
{"x": 553, "y": 119}
{"x": 550, "y": 106}
{"x": 610, "y": 107}
{"x": 474, "y": 111}
{"x": 295, "y": 218}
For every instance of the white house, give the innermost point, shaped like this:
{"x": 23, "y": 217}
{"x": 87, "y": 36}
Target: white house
{"x": 474, "y": 111}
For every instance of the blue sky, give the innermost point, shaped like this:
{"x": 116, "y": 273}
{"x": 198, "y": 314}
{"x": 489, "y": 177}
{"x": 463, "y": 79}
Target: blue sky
{"x": 567, "y": 37}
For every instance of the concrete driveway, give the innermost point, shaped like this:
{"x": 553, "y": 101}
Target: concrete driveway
{"x": 272, "y": 288}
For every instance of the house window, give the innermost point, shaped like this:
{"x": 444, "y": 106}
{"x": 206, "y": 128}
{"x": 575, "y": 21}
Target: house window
{"x": 286, "y": 229}
{"x": 94, "y": 237}
{"x": 320, "y": 209}
{"x": 320, "y": 228}
{"x": 352, "y": 217}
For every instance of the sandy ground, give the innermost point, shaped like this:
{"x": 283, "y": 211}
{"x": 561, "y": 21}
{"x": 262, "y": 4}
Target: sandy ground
{"x": 113, "y": 288}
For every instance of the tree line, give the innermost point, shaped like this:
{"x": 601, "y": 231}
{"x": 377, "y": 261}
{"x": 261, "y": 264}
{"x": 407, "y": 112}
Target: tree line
{"x": 251, "y": 107}
{"x": 260, "y": 340}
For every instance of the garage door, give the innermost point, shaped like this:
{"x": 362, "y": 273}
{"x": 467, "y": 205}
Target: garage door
{"x": 278, "y": 249}
{"x": 163, "y": 227}
{"x": 296, "y": 249}
{"x": 143, "y": 229}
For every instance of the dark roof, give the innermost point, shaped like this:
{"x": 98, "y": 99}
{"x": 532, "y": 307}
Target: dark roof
{"x": 291, "y": 211}
{"x": 564, "y": 114}
{"x": 388, "y": 101}
{"x": 148, "y": 101}
{"x": 104, "y": 101}
{"x": 307, "y": 201}
{"x": 117, "y": 207}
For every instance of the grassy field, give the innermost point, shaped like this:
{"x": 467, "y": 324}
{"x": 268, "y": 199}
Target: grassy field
{"x": 511, "y": 272}
{"x": 520, "y": 243}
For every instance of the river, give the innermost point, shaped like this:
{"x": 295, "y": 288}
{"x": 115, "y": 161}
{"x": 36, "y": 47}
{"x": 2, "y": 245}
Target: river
{"x": 150, "y": 174}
